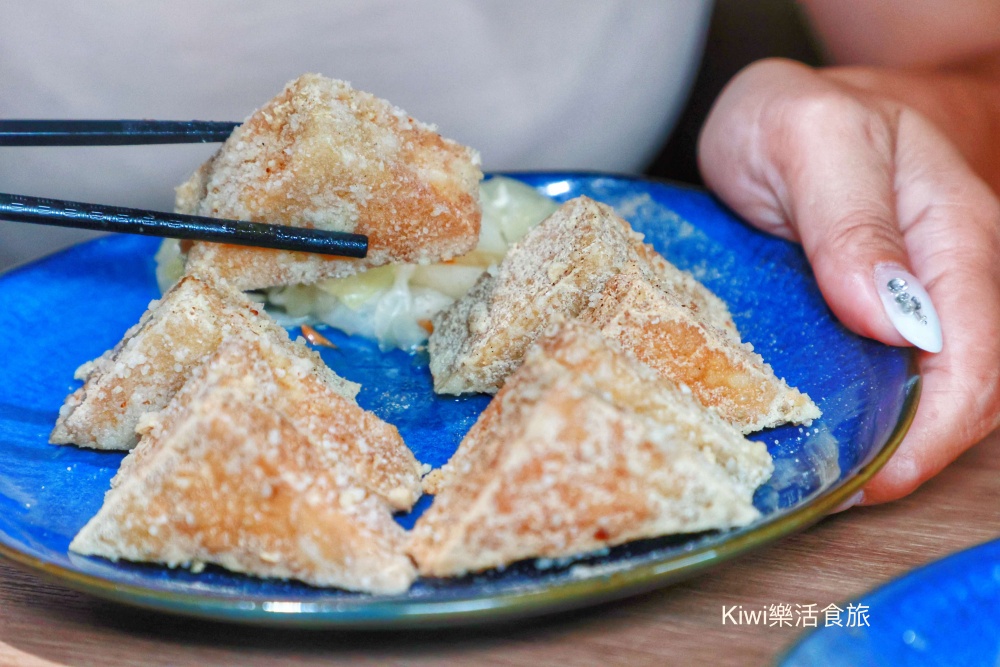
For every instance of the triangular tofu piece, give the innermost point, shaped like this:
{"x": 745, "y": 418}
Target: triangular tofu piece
{"x": 684, "y": 289}
{"x": 237, "y": 485}
{"x": 144, "y": 371}
{"x": 268, "y": 375}
{"x": 326, "y": 156}
{"x": 561, "y": 269}
{"x": 579, "y": 351}
{"x": 556, "y": 466}
{"x": 554, "y": 272}
{"x": 720, "y": 371}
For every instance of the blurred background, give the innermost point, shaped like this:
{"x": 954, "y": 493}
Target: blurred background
{"x": 739, "y": 32}
{"x": 609, "y": 85}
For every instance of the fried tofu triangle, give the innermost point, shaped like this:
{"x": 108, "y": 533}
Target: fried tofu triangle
{"x": 721, "y": 372}
{"x": 573, "y": 455}
{"x": 554, "y": 272}
{"x": 579, "y": 351}
{"x": 584, "y": 261}
{"x": 326, "y": 156}
{"x": 266, "y": 374}
{"x": 236, "y": 484}
{"x": 154, "y": 359}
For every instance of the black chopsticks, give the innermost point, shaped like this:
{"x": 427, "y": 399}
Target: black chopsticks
{"x": 111, "y": 132}
{"x": 19, "y": 208}
{"x": 37, "y": 210}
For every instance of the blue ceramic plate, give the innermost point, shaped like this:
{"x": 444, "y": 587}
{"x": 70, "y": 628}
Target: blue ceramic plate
{"x": 942, "y": 614}
{"x": 69, "y": 308}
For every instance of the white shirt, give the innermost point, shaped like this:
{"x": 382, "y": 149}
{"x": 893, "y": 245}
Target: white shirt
{"x": 531, "y": 84}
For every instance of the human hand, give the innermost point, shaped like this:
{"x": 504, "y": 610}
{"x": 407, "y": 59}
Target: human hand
{"x": 873, "y": 190}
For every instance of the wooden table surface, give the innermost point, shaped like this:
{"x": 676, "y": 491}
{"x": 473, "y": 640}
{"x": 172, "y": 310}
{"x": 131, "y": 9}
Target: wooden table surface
{"x": 843, "y": 556}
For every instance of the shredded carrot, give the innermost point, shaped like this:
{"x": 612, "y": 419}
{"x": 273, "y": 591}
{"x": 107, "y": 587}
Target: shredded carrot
{"x": 426, "y": 325}
{"x": 316, "y": 338}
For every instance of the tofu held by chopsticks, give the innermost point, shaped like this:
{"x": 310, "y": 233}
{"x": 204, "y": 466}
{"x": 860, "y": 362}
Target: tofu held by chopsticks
{"x": 324, "y": 155}
{"x": 623, "y": 390}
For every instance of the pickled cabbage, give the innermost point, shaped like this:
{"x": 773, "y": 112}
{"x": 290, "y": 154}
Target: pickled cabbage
{"x": 394, "y": 304}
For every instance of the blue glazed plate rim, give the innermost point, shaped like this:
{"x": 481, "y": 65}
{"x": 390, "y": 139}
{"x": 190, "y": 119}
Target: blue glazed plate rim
{"x": 922, "y": 577}
{"x": 395, "y": 613}
{"x": 375, "y": 613}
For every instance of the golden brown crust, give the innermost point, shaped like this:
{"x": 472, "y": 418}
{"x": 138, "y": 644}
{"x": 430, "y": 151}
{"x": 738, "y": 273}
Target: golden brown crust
{"x": 551, "y": 273}
{"x": 554, "y": 272}
{"x": 561, "y": 269}
{"x": 236, "y": 484}
{"x": 324, "y": 155}
{"x": 269, "y": 376}
{"x": 685, "y": 289}
{"x": 557, "y": 466}
{"x": 719, "y": 370}
{"x": 144, "y": 371}
{"x": 580, "y": 351}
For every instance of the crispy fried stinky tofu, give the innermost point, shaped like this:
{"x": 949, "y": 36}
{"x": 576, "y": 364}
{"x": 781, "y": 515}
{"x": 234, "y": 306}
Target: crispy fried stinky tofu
{"x": 583, "y": 449}
{"x": 265, "y": 372}
{"x": 554, "y": 272}
{"x": 325, "y": 156}
{"x": 580, "y": 351}
{"x": 234, "y": 483}
{"x": 551, "y": 273}
{"x": 720, "y": 371}
{"x": 151, "y": 363}
{"x": 562, "y": 269}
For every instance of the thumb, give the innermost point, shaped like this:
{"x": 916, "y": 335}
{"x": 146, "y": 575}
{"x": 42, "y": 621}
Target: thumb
{"x": 817, "y": 165}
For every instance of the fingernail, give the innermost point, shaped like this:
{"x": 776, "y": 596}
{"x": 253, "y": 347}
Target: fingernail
{"x": 849, "y": 503}
{"x": 909, "y": 307}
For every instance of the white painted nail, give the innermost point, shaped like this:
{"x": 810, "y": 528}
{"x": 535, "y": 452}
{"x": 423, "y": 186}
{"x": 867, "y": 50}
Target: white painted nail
{"x": 909, "y": 307}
